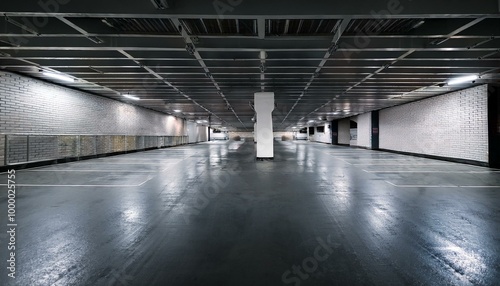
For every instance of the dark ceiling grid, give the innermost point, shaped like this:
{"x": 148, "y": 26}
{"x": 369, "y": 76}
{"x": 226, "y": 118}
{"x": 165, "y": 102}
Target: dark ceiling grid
{"x": 339, "y": 30}
{"x": 295, "y": 39}
{"x": 385, "y": 26}
{"x": 155, "y": 74}
{"x": 190, "y": 45}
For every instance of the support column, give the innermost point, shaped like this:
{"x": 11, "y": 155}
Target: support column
{"x": 264, "y": 106}
{"x": 375, "y": 130}
{"x": 494, "y": 126}
{"x": 335, "y": 132}
{"x": 255, "y": 132}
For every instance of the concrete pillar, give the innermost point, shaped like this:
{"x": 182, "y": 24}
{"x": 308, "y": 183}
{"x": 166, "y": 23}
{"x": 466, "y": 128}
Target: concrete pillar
{"x": 374, "y": 130}
{"x": 335, "y": 132}
{"x": 264, "y": 106}
{"x": 255, "y": 132}
{"x": 494, "y": 126}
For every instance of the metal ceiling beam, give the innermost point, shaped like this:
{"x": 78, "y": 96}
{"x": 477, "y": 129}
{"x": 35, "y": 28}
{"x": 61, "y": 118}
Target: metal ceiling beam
{"x": 261, "y": 28}
{"x": 158, "y": 76}
{"x": 231, "y": 44}
{"x": 192, "y": 49}
{"x": 457, "y": 31}
{"x": 332, "y": 49}
{"x": 363, "y": 80}
{"x": 292, "y": 9}
{"x": 94, "y": 39}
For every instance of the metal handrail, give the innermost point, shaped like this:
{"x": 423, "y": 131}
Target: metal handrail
{"x": 80, "y": 151}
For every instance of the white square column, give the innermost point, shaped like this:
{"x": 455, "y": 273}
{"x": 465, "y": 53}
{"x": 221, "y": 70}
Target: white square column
{"x": 264, "y": 106}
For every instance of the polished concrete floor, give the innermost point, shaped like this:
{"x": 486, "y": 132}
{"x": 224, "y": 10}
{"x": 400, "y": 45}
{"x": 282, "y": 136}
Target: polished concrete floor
{"x": 209, "y": 214}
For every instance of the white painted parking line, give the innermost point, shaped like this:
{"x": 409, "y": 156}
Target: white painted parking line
{"x": 395, "y": 159}
{"x": 438, "y": 186}
{"x": 100, "y": 171}
{"x": 117, "y": 163}
{"x": 335, "y": 157}
{"x": 107, "y": 186}
{"x": 408, "y": 164}
{"x": 421, "y": 171}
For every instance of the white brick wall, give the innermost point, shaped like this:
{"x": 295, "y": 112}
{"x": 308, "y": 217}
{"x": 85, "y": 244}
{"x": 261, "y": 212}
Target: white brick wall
{"x": 344, "y": 131}
{"x": 453, "y": 125}
{"x": 36, "y": 107}
{"x": 364, "y": 130}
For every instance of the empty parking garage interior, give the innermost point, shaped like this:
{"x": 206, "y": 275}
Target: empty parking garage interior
{"x": 168, "y": 142}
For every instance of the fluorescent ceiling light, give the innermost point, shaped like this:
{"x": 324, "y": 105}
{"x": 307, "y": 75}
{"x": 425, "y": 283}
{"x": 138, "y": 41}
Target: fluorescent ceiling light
{"x": 59, "y": 76}
{"x": 131, "y": 97}
{"x": 463, "y": 79}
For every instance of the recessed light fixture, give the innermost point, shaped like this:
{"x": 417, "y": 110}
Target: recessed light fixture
{"x": 464, "y": 79}
{"x": 58, "y": 76}
{"x": 130, "y": 96}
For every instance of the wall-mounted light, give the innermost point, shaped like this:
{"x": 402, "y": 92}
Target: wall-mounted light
{"x": 58, "y": 76}
{"x": 177, "y": 110}
{"x": 129, "y": 96}
{"x": 464, "y": 79}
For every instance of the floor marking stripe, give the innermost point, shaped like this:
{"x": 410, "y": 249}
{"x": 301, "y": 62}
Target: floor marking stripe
{"x": 114, "y": 186}
{"x": 103, "y": 171}
{"x": 430, "y": 164}
{"x": 419, "y": 171}
{"x": 438, "y": 186}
